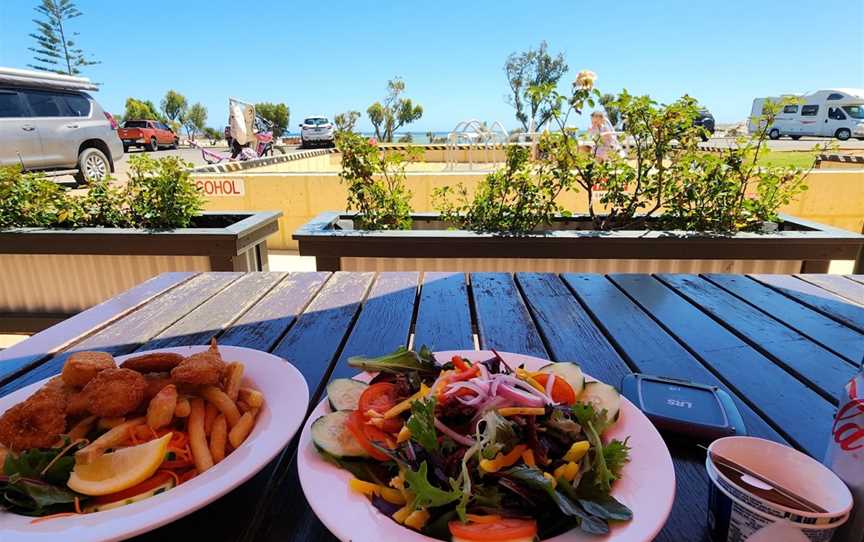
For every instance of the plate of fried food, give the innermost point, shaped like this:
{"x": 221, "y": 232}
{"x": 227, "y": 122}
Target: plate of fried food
{"x": 112, "y": 448}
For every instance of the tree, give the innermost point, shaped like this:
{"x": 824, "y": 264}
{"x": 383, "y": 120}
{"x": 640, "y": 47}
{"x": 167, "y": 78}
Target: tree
{"x": 54, "y": 52}
{"x": 345, "y": 121}
{"x": 212, "y": 134}
{"x": 278, "y": 114}
{"x": 612, "y": 111}
{"x": 174, "y": 106}
{"x": 195, "y": 119}
{"x": 532, "y": 68}
{"x": 394, "y": 113}
{"x": 140, "y": 110}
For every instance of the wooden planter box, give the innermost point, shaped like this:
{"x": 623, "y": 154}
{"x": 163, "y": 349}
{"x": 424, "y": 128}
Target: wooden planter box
{"x": 46, "y": 275}
{"x": 570, "y": 245}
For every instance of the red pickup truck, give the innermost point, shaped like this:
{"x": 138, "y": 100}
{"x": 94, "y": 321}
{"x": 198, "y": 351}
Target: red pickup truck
{"x": 150, "y": 134}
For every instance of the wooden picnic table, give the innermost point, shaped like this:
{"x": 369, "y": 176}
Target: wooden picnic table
{"x": 782, "y": 345}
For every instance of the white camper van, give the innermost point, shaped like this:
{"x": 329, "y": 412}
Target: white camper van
{"x": 827, "y": 113}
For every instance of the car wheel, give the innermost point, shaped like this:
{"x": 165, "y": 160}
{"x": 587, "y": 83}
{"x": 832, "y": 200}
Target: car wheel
{"x": 174, "y": 145}
{"x": 93, "y": 165}
{"x": 796, "y": 138}
{"x": 125, "y": 147}
{"x": 154, "y": 145}
{"x": 843, "y": 134}
{"x": 774, "y": 134}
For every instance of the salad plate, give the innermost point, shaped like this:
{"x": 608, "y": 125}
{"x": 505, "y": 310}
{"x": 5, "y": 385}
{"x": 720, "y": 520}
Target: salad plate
{"x": 286, "y": 399}
{"x": 646, "y": 485}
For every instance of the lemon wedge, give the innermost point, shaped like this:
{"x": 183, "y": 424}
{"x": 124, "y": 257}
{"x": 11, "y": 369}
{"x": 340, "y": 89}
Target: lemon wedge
{"x": 119, "y": 470}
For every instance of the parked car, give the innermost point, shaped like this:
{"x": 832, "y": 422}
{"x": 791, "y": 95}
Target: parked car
{"x": 317, "y": 131}
{"x": 149, "y": 134}
{"x": 828, "y": 113}
{"x": 705, "y": 120}
{"x": 48, "y": 122}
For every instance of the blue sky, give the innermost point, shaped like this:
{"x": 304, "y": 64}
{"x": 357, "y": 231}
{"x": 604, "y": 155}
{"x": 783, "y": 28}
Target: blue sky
{"x": 326, "y": 57}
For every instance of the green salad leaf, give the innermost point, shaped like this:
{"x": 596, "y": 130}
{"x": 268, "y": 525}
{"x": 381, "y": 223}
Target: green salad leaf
{"x": 425, "y": 494}
{"x": 606, "y": 461}
{"x": 422, "y": 424}
{"x": 399, "y": 361}
{"x": 33, "y": 497}
{"x": 495, "y": 434}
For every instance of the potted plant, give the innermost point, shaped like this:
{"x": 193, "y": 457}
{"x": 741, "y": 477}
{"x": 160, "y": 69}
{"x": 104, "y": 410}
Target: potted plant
{"x": 663, "y": 198}
{"x": 62, "y": 251}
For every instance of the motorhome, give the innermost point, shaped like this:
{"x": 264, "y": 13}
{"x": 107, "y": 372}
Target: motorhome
{"x": 835, "y": 112}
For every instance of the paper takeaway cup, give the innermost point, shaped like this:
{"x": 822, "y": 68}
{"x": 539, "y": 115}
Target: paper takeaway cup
{"x": 735, "y": 512}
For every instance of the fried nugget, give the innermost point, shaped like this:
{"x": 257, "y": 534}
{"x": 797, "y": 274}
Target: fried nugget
{"x": 115, "y": 392}
{"x": 36, "y": 422}
{"x": 155, "y": 383}
{"x": 157, "y": 362}
{"x": 81, "y": 367}
{"x": 77, "y": 404}
{"x": 201, "y": 369}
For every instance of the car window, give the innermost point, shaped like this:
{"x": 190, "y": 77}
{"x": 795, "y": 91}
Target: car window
{"x": 316, "y": 121}
{"x": 135, "y": 124}
{"x": 11, "y": 106}
{"x": 854, "y": 111}
{"x": 790, "y": 109}
{"x": 835, "y": 96}
{"x": 78, "y": 105}
{"x": 45, "y": 104}
{"x": 836, "y": 114}
{"x": 809, "y": 110}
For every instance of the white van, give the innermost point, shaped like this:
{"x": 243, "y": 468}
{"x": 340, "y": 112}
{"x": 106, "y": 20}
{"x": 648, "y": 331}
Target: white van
{"x": 827, "y": 113}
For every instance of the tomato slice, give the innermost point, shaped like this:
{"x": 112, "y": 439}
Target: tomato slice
{"x": 562, "y": 391}
{"x": 379, "y": 397}
{"x": 365, "y": 434}
{"x": 503, "y": 529}
{"x": 147, "y": 485}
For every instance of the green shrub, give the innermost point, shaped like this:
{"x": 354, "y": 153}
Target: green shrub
{"x": 160, "y": 194}
{"x": 376, "y": 182}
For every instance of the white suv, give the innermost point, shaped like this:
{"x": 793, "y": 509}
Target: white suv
{"x": 48, "y": 123}
{"x": 317, "y": 131}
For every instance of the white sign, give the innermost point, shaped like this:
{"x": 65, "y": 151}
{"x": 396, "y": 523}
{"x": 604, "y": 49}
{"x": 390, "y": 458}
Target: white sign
{"x": 221, "y": 187}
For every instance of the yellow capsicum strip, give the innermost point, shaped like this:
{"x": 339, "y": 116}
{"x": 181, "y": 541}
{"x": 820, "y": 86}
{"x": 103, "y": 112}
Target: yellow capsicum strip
{"x": 526, "y": 376}
{"x": 502, "y": 461}
{"x": 577, "y": 451}
{"x": 521, "y": 411}
{"x": 390, "y": 495}
{"x": 417, "y": 519}
{"x": 567, "y": 471}
{"x": 406, "y": 404}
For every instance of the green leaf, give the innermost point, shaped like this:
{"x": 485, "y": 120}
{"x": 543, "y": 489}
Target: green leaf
{"x": 422, "y": 424}
{"x": 400, "y": 361}
{"x": 608, "y": 508}
{"x": 425, "y": 494}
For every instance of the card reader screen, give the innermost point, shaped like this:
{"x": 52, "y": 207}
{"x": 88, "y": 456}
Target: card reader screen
{"x": 681, "y": 402}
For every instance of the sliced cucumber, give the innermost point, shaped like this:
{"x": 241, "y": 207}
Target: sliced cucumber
{"x": 129, "y": 500}
{"x": 344, "y": 393}
{"x": 602, "y": 397}
{"x": 569, "y": 372}
{"x": 330, "y": 433}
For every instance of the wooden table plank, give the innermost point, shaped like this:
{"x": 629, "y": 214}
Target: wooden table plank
{"x": 827, "y": 332}
{"x": 216, "y": 314}
{"x": 648, "y": 347}
{"x": 137, "y": 327}
{"x": 568, "y": 331}
{"x": 264, "y": 324}
{"x": 503, "y": 320}
{"x": 836, "y": 284}
{"x": 816, "y": 298}
{"x": 384, "y": 323}
{"x": 443, "y": 314}
{"x": 313, "y": 343}
{"x": 802, "y": 415}
{"x": 822, "y": 370}
{"x": 50, "y": 341}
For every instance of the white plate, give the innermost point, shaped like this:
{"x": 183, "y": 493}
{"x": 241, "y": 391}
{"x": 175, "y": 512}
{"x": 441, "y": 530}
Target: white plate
{"x": 647, "y": 484}
{"x": 286, "y": 397}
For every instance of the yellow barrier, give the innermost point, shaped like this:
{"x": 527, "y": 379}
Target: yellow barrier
{"x": 835, "y": 197}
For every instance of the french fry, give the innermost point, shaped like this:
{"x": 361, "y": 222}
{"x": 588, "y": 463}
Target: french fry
{"x": 112, "y": 437}
{"x": 197, "y": 439}
{"x": 80, "y": 429}
{"x": 242, "y": 428}
{"x": 251, "y": 397}
{"x": 233, "y": 376}
{"x": 224, "y": 403}
{"x": 110, "y": 422}
{"x": 210, "y": 413}
{"x": 182, "y": 409}
{"x": 161, "y": 409}
{"x": 218, "y": 436}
